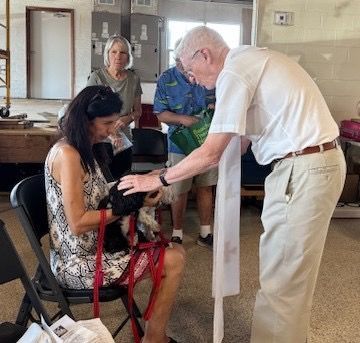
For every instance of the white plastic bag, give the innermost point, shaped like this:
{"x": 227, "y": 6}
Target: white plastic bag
{"x": 120, "y": 142}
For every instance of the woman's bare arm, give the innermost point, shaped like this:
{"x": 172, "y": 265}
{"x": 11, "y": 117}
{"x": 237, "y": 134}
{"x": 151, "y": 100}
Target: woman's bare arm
{"x": 68, "y": 172}
{"x": 136, "y": 114}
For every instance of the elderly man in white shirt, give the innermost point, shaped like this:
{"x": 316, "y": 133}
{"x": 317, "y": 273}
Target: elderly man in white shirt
{"x": 264, "y": 97}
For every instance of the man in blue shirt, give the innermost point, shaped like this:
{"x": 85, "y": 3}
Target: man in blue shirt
{"x": 176, "y": 101}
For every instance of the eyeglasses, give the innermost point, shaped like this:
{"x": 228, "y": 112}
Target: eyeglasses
{"x": 189, "y": 73}
{"x": 195, "y": 53}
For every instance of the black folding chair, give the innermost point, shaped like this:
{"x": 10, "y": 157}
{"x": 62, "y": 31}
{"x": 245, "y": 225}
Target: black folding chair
{"x": 149, "y": 149}
{"x": 29, "y": 200}
{"x": 12, "y": 268}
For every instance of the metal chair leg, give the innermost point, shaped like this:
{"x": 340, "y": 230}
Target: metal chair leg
{"x": 136, "y": 312}
{"x": 24, "y": 313}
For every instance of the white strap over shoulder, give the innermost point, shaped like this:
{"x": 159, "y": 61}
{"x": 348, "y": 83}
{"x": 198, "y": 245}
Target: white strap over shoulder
{"x": 226, "y": 255}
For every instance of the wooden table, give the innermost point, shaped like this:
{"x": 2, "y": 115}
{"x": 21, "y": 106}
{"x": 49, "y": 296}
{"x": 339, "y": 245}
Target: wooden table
{"x": 26, "y": 145}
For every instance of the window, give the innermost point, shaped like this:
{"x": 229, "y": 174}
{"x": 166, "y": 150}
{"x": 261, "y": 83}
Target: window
{"x": 106, "y": 2}
{"x": 144, "y": 3}
{"x": 230, "y": 33}
{"x": 177, "y": 29}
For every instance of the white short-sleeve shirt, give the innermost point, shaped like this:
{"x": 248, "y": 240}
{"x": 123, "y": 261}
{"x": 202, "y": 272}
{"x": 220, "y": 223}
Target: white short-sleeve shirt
{"x": 270, "y": 99}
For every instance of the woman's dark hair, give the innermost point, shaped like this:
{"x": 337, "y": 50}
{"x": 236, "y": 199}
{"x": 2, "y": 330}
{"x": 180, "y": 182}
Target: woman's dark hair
{"x": 90, "y": 103}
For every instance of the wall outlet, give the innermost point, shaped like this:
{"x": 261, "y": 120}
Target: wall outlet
{"x": 283, "y": 18}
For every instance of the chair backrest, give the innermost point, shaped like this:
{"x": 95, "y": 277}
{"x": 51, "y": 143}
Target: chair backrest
{"x": 149, "y": 150}
{"x": 28, "y": 197}
{"x": 12, "y": 268}
{"x": 150, "y": 143}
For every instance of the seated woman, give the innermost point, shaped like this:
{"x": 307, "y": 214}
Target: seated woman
{"x": 74, "y": 187}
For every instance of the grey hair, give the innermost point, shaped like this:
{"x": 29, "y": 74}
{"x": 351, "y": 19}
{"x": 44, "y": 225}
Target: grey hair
{"x": 198, "y": 38}
{"x": 109, "y": 44}
{"x": 177, "y": 43}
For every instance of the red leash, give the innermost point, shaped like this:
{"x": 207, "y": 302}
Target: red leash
{"x": 156, "y": 272}
{"x": 156, "y": 275}
{"x": 131, "y": 285}
{"x": 99, "y": 275}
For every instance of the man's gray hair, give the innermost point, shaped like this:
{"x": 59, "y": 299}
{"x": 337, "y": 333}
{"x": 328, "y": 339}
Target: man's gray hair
{"x": 198, "y": 38}
{"x": 177, "y": 43}
{"x": 123, "y": 41}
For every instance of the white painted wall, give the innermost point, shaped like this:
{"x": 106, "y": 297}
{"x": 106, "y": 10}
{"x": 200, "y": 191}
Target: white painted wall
{"x": 325, "y": 39}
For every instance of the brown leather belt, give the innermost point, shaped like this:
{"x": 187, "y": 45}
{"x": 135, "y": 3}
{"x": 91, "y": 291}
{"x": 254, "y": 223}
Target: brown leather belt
{"x": 312, "y": 149}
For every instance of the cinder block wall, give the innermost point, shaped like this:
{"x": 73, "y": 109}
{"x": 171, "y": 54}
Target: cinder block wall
{"x": 325, "y": 40}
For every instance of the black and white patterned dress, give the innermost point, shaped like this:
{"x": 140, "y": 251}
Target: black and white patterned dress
{"x": 73, "y": 258}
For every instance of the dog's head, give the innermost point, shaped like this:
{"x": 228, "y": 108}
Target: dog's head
{"x": 124, "y": 205}
{"x": 168, "y": 196}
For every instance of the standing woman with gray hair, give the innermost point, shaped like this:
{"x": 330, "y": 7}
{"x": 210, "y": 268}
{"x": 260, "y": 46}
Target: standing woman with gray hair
{"x": 117, "y": 74}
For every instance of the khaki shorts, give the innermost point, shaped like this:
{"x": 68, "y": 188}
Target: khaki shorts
{"x": 208, "y": 178}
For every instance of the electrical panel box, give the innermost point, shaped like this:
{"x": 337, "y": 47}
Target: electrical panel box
{"x": 104, "y": 25}
{"x": 284, "y": 18}
{"x": 147, "y": 38}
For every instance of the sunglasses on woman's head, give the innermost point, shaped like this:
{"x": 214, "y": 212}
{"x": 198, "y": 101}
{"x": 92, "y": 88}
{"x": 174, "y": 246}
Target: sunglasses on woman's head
{"x": 101, "y": 95}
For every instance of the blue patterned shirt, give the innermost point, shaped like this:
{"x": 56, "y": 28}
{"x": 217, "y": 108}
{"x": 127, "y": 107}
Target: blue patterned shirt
{"x": 176, "y": 94}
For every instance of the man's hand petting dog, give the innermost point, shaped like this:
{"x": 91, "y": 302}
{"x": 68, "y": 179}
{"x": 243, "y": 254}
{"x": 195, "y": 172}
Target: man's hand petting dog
{"x": 131, "y": 184}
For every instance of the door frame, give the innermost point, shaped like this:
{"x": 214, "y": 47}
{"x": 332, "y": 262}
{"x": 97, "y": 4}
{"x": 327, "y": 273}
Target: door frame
{"x": 29, "y": 9}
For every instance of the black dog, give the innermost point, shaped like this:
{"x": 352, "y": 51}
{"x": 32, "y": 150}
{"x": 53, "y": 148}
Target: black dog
{"x": 114, "y": 239}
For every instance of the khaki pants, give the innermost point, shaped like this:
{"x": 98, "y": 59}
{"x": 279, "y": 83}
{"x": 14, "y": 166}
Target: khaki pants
{"x": 300, "y": 196}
